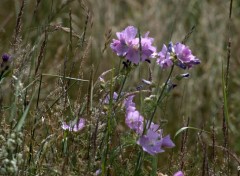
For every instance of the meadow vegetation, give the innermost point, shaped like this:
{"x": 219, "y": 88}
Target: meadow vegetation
{"x": 84, "y": 92}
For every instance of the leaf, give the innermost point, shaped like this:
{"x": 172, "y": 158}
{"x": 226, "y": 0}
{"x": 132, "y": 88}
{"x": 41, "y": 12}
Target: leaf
{"x": 185, "y": 128}
{"x": 22, "y": 119}
{"x": 77, "y": 79}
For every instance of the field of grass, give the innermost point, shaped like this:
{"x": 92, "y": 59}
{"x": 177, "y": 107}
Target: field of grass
{"x": 57, "y": 66}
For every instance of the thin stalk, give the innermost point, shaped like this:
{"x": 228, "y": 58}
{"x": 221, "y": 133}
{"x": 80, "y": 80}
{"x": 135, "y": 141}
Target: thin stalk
{"x": 109, "y": 129}
{"x": 225, "y": 84}
{"x": 147, "y": 126}
{"x": 159, "y": 98}
{"x": 139, "y": 163}
{"x": 229, "y": 44}
{"x": 123, "y": 83}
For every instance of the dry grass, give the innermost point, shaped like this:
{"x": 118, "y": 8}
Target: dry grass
{"x": 71, "y": 38}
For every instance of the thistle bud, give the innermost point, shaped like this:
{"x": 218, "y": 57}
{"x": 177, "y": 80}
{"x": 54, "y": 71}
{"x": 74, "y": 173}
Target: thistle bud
{"x": 5, "y": 57}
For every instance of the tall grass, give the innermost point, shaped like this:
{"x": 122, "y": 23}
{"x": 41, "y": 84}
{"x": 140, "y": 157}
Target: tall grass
{"x": 62, "y": 69}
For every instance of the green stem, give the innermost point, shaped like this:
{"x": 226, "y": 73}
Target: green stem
{"x": 123, "y": 83}
{"x": 139, "y": 163}
{"x": 159, "y": 99}
{"x": 109, "y": 129}
{"x": 140, "y": 155}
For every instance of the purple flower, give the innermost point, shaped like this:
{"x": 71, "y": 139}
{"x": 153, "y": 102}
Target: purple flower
{"x": 153, "y": 126}
{"x": 147, "y": 49}
{"x": 98, "y": 172}
{"x": 74, "y": 127}
{"x": 134, "y": 121}
{"x": 167, "y": 142}
{"x": 184, "y": 56}
{"x": 164, "y": 59}
{"x": 128, "y": 45}
{"x": 171, "y": 47}
{"x": 129, "y": 104}
{"x": 120, "y": 46}
{"x": 178, "y": 54}
{"x": 5, "y": 57}
{"x": 153, "y": 142}
{"x": 183, "y": 53}
{"x": 107, "y": 99}
{"x": 179, "y": 173}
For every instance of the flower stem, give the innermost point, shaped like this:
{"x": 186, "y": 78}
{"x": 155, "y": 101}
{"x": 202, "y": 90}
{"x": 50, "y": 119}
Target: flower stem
{"x": 159, "y": 99}
{"x": 147, "y": 126}
{"x": 124, "y": 81}
{"x": 139, "y": 162}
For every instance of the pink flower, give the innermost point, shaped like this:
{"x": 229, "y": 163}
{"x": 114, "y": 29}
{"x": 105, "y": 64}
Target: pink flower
{"x": 179, "y": 173}
{"x": 153, "y": 142}
{"x": 164, "y": 59}
{"x": 128, "y": 45}
{"x": 120, "y": 46}
{"x": 129, "y": 104}
{"x": 107, "y": 99}
{"x": 184, "y": 56}
{"x": 178, "y": 54}
{"x": 134, "y": 121}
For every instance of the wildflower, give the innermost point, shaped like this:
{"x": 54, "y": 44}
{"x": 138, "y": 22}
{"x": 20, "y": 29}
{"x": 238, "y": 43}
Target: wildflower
{"x": 178, "y": 54}
{"x": 184, "y": 56}
{"x": 120, "y": 46}
{"x": 134, "y": 121}
{"x": 107, "y": 99}
{"x": 153, "y": 127}
{"x": 164, "y": 59}
{"x": 74, "y": 127}
{"x": 153, "y": 142}
{"x": 5, "y": 61}
{"x": 128, "y": 45}
{"x": 167, "y": 142}
{"x": 146, "y": 49}
{"x": 129, "y": 104}
{"x": 179, "y": 173}
{"x": 98, "y": 172}
{"x": 5, "y": 57}
{"x": 171, "y": 47}
{"x": 4, "y": 66}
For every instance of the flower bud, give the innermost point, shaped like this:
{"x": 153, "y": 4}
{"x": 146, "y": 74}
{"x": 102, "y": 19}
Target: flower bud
{"x": 5, "y": 57}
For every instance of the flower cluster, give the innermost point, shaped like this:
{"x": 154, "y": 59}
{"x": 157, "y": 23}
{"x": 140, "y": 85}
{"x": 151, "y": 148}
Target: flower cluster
{"x": 178, "y": 54}
{"x": 152, "y": 142}
{"x": 134, "y": 48}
